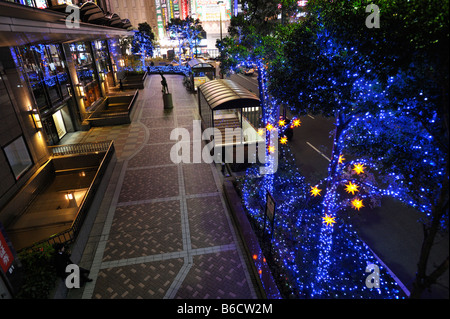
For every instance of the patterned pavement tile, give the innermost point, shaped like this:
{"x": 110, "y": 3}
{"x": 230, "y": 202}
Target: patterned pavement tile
{"x": 208, "y": 223}
{"x": 144, "y": 229}
{"x": 198, "y": 179}
{"x": 140, "y": 243}
{"x": 184, "y": 121}
{"x": 161, "y": 135}
{"x": 217, "y": 275}
{"x": 186, "y": 111}
{"x": 149, "y": 228}
{"x": 139, "y": 281}
{"x": 154, "y": 111}
{"x": 151, "y": 155}
{"x": 166, "y": 121}
{"x": 149, "y": 183}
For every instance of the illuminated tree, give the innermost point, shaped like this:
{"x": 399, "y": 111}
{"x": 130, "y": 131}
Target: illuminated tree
{"x": 368, "y": 80}
{"x": 142, "y": 43}
{"x": 412, "y": 47}
{"x": 187, "y": 32}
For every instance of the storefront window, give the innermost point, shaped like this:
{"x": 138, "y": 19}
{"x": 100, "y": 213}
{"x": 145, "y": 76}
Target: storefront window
{"x": 104, "y": 66}
{"x": 85, "y": 68}
{"x": 59, "y": 124}
{"x": 101, "y": 52}
{"x": 46, "y": 72}
{"x": 41, "y": 4}
{"x": 18, "y": 157}
{"x": 31, "y": 67}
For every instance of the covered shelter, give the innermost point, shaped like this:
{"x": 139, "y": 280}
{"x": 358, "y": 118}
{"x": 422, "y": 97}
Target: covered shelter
{"x": 233, "y": 113}
{"x": 200, "y": 72}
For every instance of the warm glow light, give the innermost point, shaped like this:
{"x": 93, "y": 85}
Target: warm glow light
{"x": 283, "y": 140}
{"x": 357, "y": 203}
{"x": 281, "y": 123}
{"x": 261, "y": 131}
{"x": 328, "y": 220}
{"x": 37, "y": 120}
{"x": 81, "y": 90}
{"x": 269, "y": 127}
{"x": 315, "y": 191}
{"x": 359, "y": 168}
{"x": 351, "y": 188}
{"x": 271, "y": 149}
{"x": 341, "y": 159}
{"x": 296, "y": 123}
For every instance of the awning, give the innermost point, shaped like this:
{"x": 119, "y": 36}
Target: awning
{"x": 126, "y": 23}
{"x": 114, "y": 20}
{"x": 92, "y": 13}
{"x": 194, "y": 63}
{"x": 225, "y": 94}
{"x": 21, "y": 25}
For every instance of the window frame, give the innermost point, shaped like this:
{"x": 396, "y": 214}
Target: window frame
{"x": 20, "y": 174}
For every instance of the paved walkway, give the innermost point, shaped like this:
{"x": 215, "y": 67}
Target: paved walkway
{"x": 163, "y": 230}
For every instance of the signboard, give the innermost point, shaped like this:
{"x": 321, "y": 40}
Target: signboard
{"x": 270, "y": 211}
{"x": 209, "y": 10}
{"x": 270, "y": 207}
{"x": 159, "y": 19}
{"x": 6, "y": 256}
{"x": 199, "y": 80}
{"x": 184, "y": 9}
{"x": 174, "y": 9}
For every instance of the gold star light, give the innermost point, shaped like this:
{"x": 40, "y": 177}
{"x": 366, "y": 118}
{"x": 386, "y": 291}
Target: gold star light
{"x": 328, "y": 220}
{"x": 341, "y": 159}
{"x": 359, "y": 168}
{"x": 283, "y": 140}
{"x": 315, "y": 191}
{"x": 271, "y": 149}
{"x": 281, "y": 123}
{"x": 296, "y": 122}
{"x": 351, "y": 188}
{"x": 357, "y": 203}
{"x": 269, "y": 127}
{"x": 261, "y": 131}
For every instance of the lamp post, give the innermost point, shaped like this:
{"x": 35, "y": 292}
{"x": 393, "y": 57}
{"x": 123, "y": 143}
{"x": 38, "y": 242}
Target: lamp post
{"x": 220, "y": 2}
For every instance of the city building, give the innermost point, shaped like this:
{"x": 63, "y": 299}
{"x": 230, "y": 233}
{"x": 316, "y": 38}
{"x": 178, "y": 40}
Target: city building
{"x": 137, "y": 11}
{"x": 58, "y": 60}
{"x": 214, "y": 16}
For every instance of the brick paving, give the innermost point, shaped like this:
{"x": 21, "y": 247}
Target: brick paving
{"x": 163, "y": 230}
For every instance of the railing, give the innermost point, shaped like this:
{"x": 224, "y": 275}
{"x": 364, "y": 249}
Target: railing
{"x": 68, "y": 236}
{"x": 78, "y": 149}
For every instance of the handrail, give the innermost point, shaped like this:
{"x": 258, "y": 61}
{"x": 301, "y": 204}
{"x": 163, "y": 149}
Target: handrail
{"x": 69, "y": 235}
{"x": 78, "y": 149}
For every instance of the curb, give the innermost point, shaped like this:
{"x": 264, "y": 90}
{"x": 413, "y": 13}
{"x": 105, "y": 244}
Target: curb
{"x": 267, "y": 287}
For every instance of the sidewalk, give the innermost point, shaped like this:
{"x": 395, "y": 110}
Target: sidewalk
{"x": 163, "y": 230}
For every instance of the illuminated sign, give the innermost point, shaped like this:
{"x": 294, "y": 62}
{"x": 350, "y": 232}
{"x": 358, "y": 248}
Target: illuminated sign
{"x": 6, "y": 256}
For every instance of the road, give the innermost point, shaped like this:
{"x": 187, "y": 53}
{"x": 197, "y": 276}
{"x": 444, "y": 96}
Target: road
{"x": 392, "y": 231}
{"x": 311, "y": 144}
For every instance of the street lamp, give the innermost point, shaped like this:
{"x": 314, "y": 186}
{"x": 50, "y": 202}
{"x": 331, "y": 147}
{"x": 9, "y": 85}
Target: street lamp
{"x": 220, "y": 2}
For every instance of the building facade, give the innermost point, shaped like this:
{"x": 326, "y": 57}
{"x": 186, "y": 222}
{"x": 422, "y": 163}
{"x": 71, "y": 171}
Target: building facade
{"x": 52, "y": 74}
{"x": 137, "y": 11}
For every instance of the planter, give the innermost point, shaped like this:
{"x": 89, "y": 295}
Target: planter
{"x": 114, "y": 110}
{"x": 167, "y": 98}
